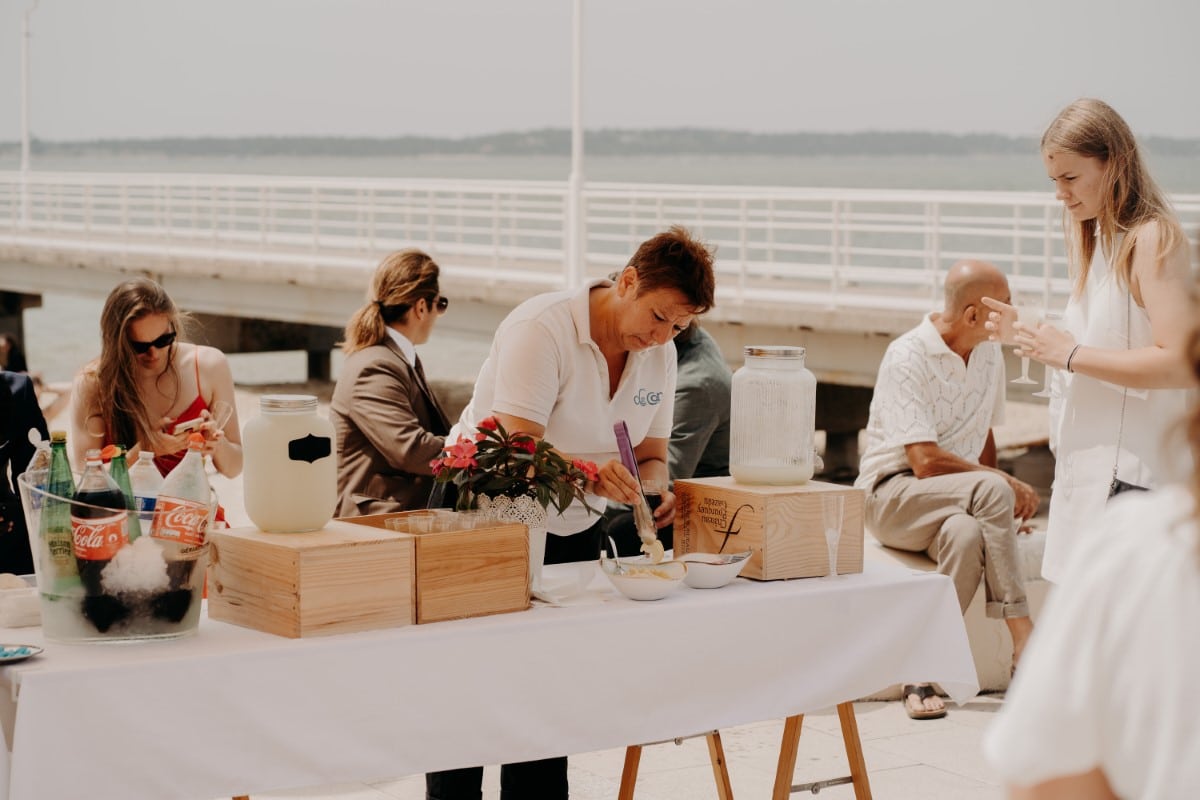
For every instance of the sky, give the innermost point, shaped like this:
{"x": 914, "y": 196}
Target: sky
{"x": 151, "y": 68}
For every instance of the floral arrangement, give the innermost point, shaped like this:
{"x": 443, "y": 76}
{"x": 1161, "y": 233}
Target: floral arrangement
{"x": 497, "y": 463}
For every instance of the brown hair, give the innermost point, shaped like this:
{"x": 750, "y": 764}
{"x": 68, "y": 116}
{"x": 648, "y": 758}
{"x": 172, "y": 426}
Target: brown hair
{"x": 400, "y": 280}
{"x": 1091, "y": 128}
{"x": 118, "y": 403}
{"x": 675, "y": 260}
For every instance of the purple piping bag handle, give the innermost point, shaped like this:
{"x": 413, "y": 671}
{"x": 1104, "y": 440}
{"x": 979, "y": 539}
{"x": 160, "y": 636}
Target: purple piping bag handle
{"x": 625, "y": 448}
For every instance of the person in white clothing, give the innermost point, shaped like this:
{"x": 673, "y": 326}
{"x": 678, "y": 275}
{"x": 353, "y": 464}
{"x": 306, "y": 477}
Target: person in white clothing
{"x": 1120, "y": 378}
{"x": 929, "y": 467}
{"x": 565, "y": 366}
{"x": 1099, "y": 708}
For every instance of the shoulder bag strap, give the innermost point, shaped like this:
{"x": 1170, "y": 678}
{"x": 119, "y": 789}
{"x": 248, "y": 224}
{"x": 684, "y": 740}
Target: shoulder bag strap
{"x": 1125, "y": 391}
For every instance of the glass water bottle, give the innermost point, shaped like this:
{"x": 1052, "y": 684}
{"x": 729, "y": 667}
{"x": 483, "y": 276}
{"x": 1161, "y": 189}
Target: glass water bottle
{"x": 772, "y": 417}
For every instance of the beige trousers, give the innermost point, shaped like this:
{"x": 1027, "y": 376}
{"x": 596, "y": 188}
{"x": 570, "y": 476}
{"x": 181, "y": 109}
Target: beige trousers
{"x": 963, "y": 521}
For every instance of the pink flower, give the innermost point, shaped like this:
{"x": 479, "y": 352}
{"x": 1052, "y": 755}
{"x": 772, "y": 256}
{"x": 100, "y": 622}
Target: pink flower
{"x": 588, "y": 468}
{"x": 461, "y": 454}
{"x": 436, "y": 465}
{"x": 489, "y": 424}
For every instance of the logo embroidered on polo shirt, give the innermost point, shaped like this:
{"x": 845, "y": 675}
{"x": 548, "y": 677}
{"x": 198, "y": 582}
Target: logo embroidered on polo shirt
{"x": 645, "y": 397}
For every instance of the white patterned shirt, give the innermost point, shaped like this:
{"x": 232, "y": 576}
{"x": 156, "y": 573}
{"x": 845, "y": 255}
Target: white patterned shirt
{"x": 926, "y": 393}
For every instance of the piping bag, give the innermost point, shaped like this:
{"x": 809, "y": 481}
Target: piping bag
{"x": 643, "y": 517}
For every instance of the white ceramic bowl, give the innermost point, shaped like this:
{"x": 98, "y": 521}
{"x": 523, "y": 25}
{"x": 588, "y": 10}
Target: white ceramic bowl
{"x": 713, "y": 570}
{"x": 645, "y": 581}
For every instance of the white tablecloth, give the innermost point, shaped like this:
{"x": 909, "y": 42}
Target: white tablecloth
{"x": 233, "y": 711}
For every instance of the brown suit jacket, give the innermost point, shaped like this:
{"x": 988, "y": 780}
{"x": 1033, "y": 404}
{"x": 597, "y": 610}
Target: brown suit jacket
{"x": 389, "y": 427}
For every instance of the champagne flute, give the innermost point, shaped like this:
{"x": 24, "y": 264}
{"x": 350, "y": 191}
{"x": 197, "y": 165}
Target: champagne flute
{"x": 221, "y": 412}
{"x": 1050, "y": 318}
{"x": 1027, "y": 315}
{"x": 833, "y": 507}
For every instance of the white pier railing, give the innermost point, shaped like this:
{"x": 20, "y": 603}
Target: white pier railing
{"x": 830, "y": 248}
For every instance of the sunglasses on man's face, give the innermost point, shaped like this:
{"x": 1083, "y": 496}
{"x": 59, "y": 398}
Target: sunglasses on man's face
{"x": 441, "y": 304}
{"x": 141, "y": 348}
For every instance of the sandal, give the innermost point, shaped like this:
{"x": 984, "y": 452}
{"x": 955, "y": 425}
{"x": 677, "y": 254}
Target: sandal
{"x": 922, "y": 691}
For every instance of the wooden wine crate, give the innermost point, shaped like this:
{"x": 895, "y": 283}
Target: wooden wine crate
{"x": 782, "y": 525}
{"x": 465, "y": 573}
{"x": 339, "y": 579}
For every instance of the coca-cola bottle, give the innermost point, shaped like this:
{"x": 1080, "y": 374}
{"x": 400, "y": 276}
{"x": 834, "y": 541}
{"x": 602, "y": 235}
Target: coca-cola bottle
{"x": 181, "y": 517}
{"x": 98, "y": 524}
{"x": 56, "y": 535}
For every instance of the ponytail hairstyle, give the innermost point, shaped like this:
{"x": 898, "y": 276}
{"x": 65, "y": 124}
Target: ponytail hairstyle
{"x": 118, "y": 404}
{"x": 400, "y": 280}
{"x": 1131, "y": 198}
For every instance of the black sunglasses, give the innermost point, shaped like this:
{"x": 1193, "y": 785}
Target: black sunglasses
{"x": 441, "y": 304}
{"x": 141, "y": 348}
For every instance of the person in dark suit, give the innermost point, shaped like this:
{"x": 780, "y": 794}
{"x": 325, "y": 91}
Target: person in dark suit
{"x": 19, "y": 414}
{"x": 389, "y": 424}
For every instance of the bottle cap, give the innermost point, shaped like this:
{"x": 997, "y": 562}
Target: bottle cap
{"x": 92, "y": 455}
{"x": 58, "y": 436}
{"x": 287, "y": 403}
{"x": 772, "y": 351}
{"x": 195, "y": 440}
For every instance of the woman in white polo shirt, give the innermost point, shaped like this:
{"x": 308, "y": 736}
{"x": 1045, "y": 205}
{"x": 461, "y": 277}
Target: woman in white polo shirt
{"x": 565, "y": 366}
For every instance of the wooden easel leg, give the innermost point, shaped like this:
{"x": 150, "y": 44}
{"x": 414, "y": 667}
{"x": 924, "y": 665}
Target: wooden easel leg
{"x": 716, "y": 754}
{"x": 787, "y": 757}
{"x": 633, "y": 757}
{"x": 854, "y": 751}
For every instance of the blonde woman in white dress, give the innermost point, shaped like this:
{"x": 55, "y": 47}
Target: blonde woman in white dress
{"x": 1121, "y": 375}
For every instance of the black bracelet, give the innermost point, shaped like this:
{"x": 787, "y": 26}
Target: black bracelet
{"x": 1074, "y": 350}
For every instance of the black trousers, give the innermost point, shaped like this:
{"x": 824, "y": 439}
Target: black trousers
{"x": 526, "y": 780}
{"x": 582, "y": 546}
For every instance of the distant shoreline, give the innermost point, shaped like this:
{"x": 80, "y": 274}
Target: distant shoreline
{"x": 557, "y": 142}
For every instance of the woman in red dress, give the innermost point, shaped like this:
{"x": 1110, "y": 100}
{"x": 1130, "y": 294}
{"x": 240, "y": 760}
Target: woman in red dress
{"x": 147, "y": 382}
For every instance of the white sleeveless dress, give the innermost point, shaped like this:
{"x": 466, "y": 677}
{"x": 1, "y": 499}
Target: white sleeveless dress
{"x": 1085, "y": 417}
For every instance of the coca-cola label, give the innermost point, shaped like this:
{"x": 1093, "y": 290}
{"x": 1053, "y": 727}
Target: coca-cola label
{"x": 98, "y": 538}
{"x": 182, "y": 521}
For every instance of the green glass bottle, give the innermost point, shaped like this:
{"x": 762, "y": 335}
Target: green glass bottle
{"x": 118, "y": 470}
{"x": 55, "y": 533}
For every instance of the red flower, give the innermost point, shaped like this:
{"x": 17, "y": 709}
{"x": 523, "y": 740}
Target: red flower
{"x": 436, "y": 465}
{"x": 461, "y": 454}
{"x": 489, "y": 424}
{"x": 588, "y": 468}
{"x": 524, "y": 443}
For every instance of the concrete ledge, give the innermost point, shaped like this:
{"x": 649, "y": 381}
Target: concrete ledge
{"x": 991, "y": 645}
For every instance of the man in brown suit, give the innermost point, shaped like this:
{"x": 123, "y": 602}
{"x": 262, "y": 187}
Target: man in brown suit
{"x": 389, "y": 424}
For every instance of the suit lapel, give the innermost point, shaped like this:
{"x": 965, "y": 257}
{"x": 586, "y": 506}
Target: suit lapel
{"x": 440, "y": 422}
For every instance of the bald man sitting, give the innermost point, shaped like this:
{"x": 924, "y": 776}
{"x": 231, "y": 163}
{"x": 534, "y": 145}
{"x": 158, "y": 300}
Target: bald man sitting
{"x": 929, "y": 468}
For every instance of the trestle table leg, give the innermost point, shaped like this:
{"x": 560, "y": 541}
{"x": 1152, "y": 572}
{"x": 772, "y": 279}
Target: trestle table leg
{"x": 716, "y": 754}
{"x": 787, "y": 757}
{"x": 854, "y": 751}
{"x": 633, "y": 757}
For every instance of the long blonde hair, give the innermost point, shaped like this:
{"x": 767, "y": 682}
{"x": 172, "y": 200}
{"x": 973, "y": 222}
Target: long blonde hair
{"x": 119, "y": 404}
{"x": 1091, "y": 128}
{"x": 400, "y": 280}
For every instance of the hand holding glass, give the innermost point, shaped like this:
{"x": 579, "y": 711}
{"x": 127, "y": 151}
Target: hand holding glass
{"x": 833, "y": 507}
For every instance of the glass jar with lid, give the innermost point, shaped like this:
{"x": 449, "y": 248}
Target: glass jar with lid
{"x": 290, "y": 474}
{"x": 772, "y": 417}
